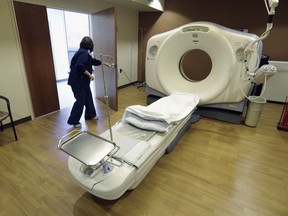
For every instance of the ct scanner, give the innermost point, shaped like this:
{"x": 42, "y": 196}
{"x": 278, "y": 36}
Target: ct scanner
{"x": 107, "y": 168}
{"x": 227, "y": 79}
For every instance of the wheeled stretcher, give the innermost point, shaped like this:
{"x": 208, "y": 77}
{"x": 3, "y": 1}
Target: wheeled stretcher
{"x": 108, "y": 168}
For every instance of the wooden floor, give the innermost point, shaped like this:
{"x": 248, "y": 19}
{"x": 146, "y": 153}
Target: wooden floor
{"x": 217, "y": 168}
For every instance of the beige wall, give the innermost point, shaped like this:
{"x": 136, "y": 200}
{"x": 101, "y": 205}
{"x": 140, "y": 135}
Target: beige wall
{"x": 12, "y": 74}
{"x": 13, "y": 83}
{"x": 248, "y": 14}
{"x": 127, "y": 45}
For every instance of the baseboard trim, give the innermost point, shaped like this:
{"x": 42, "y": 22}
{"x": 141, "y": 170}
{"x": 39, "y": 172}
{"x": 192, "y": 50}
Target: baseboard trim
{"x": 17, "y": 122}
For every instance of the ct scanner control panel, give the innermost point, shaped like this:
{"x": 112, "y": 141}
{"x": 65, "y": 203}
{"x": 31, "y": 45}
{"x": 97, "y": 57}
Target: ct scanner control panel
{"x": 153, "y": 51}
{"x": 197, "y": 28}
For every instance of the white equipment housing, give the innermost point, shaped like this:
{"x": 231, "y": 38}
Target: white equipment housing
{"x": 225, "y": 47}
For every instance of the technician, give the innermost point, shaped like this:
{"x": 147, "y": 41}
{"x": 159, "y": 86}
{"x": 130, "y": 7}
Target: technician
{"x": 79, "y": 79}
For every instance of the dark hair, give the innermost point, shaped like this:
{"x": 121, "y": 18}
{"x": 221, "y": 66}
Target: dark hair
{"x": 87, "y": 43}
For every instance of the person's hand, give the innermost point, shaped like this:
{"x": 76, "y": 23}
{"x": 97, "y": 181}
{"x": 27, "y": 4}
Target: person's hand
{"x": 91, "y": 77}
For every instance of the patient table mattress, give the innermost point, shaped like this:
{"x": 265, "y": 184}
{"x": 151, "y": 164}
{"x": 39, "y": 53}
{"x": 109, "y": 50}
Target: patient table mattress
{"x": 139, "y": 150}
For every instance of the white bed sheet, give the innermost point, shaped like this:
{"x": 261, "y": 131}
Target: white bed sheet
{"x": 139, "y": 149}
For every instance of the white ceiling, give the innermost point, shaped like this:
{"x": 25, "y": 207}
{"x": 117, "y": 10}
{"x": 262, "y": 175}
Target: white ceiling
{"x": 139, "y": 5}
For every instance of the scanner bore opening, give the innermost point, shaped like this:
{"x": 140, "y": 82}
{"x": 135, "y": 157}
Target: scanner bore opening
{"x": 195, "y": 65}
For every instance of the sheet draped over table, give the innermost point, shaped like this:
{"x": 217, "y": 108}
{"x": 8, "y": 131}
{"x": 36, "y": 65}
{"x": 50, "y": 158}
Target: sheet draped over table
{"x": 160, "y": 115}
{"x": 134, "y": 146}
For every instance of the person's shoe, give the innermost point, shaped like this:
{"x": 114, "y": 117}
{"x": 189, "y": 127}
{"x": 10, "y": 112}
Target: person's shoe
{"x": 78, "y": 125}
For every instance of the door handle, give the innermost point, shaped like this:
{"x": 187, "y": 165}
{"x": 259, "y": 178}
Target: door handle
{"x": 113, "y": 65}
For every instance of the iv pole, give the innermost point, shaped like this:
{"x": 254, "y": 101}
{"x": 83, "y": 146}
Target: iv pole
{"x": 107, "y": 167}
{"x": 105, "y": 91}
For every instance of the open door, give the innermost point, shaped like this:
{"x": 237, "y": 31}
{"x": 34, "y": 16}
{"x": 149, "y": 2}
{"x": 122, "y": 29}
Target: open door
{"x": 104, "y": 34}
{"x": 34, "y": 35}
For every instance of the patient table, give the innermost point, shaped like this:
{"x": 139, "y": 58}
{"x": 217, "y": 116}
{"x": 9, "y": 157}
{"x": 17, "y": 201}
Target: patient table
{"x": 108, "y": 168}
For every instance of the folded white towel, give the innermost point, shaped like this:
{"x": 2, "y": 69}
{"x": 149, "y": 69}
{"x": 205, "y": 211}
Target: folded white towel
{"x": 160, "y": 115}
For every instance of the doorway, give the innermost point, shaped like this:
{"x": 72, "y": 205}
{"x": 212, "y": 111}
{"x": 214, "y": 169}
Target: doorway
{"x": 38, "y": 57}
{"x": 66, "y": 31}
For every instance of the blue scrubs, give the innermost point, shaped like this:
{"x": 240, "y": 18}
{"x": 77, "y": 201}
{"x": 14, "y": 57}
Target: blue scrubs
{"x": 80, "y": 84}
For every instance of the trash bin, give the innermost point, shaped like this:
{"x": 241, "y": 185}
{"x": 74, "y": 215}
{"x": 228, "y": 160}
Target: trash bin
{"x": 255, "y": 108}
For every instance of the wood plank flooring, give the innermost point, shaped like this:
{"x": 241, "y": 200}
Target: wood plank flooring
{"x": 217, "y": 168}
